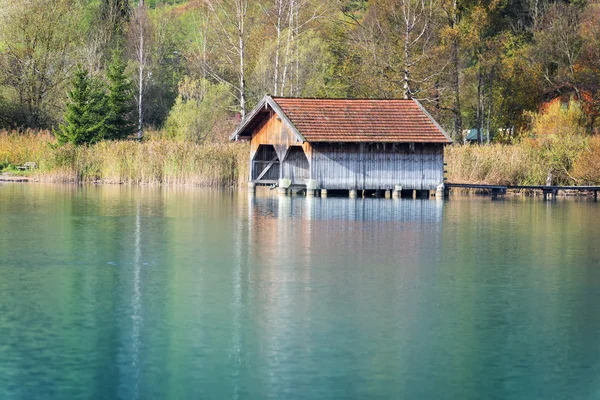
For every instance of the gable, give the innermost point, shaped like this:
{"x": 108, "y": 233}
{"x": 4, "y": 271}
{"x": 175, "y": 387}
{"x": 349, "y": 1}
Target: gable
{"x": 262, "y": 112}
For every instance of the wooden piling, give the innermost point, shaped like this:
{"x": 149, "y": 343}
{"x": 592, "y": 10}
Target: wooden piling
{"x": 440, "y": 191}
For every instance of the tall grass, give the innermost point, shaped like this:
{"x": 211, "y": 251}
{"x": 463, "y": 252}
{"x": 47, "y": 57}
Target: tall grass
{"x": 496, "y": 164}
{"x": 558, "y": 145}
{"x": 151, "y": 162}
{"x": 572, "y": 160}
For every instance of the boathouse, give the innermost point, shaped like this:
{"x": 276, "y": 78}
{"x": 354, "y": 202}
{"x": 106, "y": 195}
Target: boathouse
{"x": 334, "y": 144}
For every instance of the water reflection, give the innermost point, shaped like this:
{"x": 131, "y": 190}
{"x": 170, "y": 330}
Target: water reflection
{"x": 372, "y": 210}
{"x": 118, "y": 292}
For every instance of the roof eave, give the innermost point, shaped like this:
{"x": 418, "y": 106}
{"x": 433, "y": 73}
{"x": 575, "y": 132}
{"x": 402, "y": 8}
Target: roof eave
{"x": 247, "y": 119}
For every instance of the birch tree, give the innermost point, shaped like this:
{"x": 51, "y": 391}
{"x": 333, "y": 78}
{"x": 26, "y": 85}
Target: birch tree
{"x": 139, "y": 42}
{"x": 301, "y": 14}
{"x": 280, "y": 10}
{"x": 415, "y": 20}
{"x": 230, "y": 29}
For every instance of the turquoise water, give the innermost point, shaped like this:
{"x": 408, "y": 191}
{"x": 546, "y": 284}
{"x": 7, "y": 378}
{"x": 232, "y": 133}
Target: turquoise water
{"x": 146, "y": 293}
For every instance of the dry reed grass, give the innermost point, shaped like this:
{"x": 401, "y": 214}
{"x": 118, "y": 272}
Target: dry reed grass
{"x": 573, "y": 160}
{"x": 150, "y": 162}
{"x": 162, "y": 161}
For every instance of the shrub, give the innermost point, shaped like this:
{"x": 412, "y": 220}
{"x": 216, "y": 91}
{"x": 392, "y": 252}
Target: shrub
{"x": 557, "y": 121}
{"x": 197, "y": 110}
{"x": 587, "y": 167}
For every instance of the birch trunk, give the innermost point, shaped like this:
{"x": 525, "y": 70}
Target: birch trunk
{"x": 142, "y": 65}
{"x": 280, "y": 7}
{"x": 287, "y": 48}
{"x": 406, "y": 79}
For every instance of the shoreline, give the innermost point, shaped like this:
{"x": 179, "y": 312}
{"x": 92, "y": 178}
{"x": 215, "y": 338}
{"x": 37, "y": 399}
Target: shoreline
{"x": 454, "y": 192}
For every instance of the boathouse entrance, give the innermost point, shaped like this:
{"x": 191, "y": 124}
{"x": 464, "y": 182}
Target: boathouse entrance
{"x": 266, "y": 165}
{"x": 295, "y": 166}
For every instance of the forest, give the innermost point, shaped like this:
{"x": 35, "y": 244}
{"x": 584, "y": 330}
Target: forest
{"x": 499, "y": 71}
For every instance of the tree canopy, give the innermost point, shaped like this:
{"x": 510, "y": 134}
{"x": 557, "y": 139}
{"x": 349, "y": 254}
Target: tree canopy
{"x": 473, "y": 64}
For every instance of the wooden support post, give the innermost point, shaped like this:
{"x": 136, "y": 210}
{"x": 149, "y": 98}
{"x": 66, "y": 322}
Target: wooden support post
{"x": 388, "y": 194}
{"x": 323, "y": 192}
{"x": 397, "y": 191}
{"x": 251, "y": 188}
{"x": 551, "y": 192}
{"x": 414, "y": 194}
{"x": 440, "y": 191}
{"x": 310, "y": 193}
{"x": 353, "y": 194}
{"x": 495, "y": 193}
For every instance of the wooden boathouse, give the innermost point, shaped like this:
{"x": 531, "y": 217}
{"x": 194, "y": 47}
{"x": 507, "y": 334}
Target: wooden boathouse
{"x": 334, "y": 144}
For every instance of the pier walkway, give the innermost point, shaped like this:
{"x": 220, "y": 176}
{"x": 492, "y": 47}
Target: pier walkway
{"x": 552, "y": 191}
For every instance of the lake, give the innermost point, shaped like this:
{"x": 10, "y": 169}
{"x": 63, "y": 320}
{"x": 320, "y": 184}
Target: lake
{"x": 117, "y": 292}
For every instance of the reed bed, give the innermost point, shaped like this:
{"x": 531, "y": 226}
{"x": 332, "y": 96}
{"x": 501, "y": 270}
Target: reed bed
{"x": 127, "y": 162}
{"x": 572, "y": 160}
{"x": 496, "y": 164}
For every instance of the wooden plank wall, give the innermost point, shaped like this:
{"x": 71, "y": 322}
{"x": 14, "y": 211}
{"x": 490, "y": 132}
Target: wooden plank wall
{"x": 296, "y": 166}
{"x": 377, "y": 166}
{"x": 276, "y": 132}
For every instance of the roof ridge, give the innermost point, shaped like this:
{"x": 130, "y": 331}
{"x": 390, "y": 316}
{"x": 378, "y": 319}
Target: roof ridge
{"x": 339, "y": 99}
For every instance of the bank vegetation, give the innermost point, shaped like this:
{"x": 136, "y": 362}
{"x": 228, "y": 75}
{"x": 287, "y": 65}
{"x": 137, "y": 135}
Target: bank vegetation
{"x": 155, "y": 160}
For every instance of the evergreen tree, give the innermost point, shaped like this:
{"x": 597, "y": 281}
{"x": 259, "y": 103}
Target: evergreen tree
{"x": 84, "y": 118}
{"x": 120, "y": 98}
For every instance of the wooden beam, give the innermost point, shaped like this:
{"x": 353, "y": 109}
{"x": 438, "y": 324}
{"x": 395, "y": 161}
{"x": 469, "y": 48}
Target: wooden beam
{"x": 267, "y": 168}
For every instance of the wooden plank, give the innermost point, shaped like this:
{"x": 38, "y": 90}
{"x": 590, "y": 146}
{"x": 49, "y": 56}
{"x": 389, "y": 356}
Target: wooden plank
{"x": 263, "y": 173}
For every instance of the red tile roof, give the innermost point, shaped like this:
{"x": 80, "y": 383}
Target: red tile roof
{"x": 325, "y": 120}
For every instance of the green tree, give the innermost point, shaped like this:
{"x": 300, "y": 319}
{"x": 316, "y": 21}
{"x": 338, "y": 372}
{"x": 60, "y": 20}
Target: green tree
{"x": 84, "y": 119}
{"x": 120, "y": 105}
{"x": 38, "y": 41}
{"x": 200, "y": 107}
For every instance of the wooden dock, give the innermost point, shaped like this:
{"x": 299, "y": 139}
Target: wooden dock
{"x": 8, "y": 178}
{"x": 548, "y": 191}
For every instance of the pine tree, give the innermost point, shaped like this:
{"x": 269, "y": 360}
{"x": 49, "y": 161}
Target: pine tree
{"x": 84, "y": 118}
{"x": 120, "y": 97}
